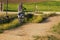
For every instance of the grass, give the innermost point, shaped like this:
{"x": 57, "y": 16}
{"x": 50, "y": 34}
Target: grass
{"x": 31, "y": 18}
{"x": 56, "y": 28}
{"x": 37, "y": 19}
{"x": 41, "y": 6}
{"x": 8, "y": 23}
{"x": 4, "y": 19}
{"x": 51, "y": 37}
{"x": 13, "y": 24}
{"x": 11, "y": 7}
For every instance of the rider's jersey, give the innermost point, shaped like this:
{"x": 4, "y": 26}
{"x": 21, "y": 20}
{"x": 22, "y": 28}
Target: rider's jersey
{"x": 20, "y": 15}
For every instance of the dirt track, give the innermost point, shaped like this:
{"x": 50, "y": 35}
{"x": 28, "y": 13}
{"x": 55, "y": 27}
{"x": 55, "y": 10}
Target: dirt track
{"x": 27, "y": 31}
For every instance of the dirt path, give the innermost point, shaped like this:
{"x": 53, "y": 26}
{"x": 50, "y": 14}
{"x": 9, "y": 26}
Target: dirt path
{"x": 27, "y": 31}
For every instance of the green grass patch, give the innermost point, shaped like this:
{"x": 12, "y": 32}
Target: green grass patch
{"x": 41, "y": 6}
{"x": 11, "y": 7}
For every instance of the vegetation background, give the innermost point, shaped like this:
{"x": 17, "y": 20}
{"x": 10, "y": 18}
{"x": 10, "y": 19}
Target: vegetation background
{"x": 30, "y": 5}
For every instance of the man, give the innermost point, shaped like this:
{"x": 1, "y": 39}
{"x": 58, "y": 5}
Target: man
{"x": 21, "y": 14}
